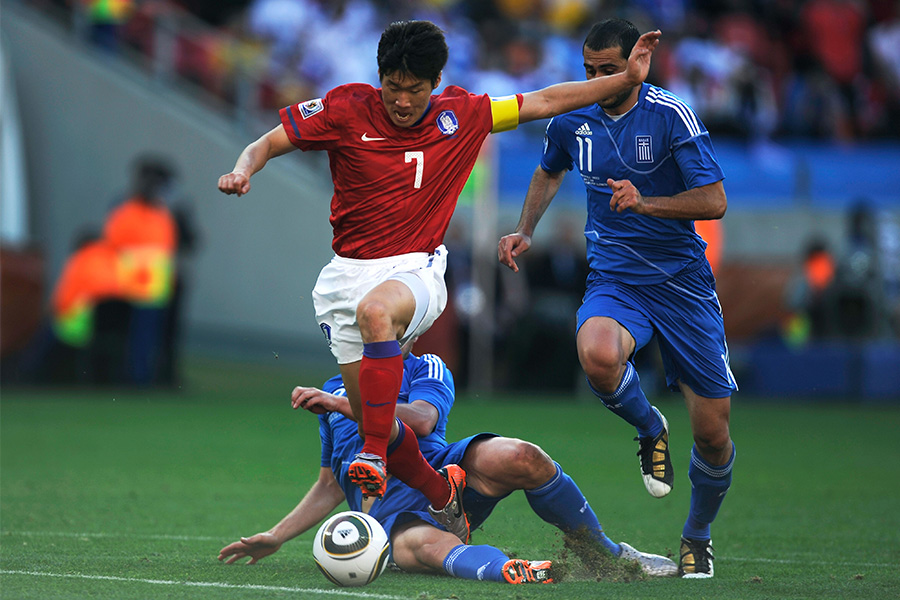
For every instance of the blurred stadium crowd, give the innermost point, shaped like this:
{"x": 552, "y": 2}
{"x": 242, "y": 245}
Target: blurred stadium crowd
{"x": 756, "y": 69}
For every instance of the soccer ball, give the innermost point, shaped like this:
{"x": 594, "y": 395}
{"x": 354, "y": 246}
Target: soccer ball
{"x": 351, "y": 549}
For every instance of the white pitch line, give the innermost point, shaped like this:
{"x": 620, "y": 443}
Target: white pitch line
{"x": 199, "y": 538}
{"x": 787, "y": 561}
{"x": 180, "y": 538}
{"x": 207, "y": 584}
{"x": 177, "y": 538}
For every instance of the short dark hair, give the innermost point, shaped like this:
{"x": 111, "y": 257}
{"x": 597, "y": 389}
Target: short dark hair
{"x": 416, "y": 48}
{"x": 152, "y": 174}
{"x": 612, "y": 33}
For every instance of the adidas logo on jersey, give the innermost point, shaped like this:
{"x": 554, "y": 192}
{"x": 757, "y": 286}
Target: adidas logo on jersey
{"x": 585, "y": 129}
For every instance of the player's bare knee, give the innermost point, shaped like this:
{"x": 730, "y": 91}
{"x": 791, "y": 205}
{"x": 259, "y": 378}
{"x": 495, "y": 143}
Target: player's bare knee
{"x": 374, "y": 319}
{"x": 603, "y": 369}
{"x": 528, "y": 464}
{"x": 714, "y": 446}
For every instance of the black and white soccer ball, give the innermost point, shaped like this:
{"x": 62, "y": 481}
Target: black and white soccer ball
{"x": 351, "y": 549}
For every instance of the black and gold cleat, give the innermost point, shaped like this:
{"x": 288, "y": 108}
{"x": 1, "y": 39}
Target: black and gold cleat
{"x": 656, "y": 465}
{"x": 696, "y": 559}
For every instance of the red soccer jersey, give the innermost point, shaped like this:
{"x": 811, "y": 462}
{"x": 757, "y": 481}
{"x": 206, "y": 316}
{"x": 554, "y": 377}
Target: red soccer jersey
{"x": 395, "y": 188}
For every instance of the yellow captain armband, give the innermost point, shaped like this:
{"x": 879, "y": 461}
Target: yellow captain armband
{"x": 504, "y": 113}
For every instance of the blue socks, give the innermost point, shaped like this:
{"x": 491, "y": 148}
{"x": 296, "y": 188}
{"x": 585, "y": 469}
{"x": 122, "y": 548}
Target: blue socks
{"x": 709, "y": 485}
{"x": 561, "y": 503}
{"x": 630, "y": 403}
{"x": 483, "y": 563}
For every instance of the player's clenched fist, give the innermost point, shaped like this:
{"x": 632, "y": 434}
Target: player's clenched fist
{"x": 625, "y": 196}
{"x": 234, "y": 183}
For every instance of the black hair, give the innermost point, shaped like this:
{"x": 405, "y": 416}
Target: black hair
{"x": 612, "y": 33}
{"x": 151, "y": 175}
{"x": 416, "y": 48}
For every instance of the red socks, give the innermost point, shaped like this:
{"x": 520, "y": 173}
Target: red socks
{"x": 406, "y": 463}
{"x": 380, "y": 376}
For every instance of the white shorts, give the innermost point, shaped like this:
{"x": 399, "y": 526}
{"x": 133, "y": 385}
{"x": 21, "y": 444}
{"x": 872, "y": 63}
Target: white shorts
{"x": 343, "y": 282}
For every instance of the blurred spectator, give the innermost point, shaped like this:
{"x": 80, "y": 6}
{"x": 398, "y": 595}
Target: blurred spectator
{"x": 144, "y": 233}
{"x": 115, "y": 308}
{"x": 889, "y": 245}
{"x": 713, "y": 234}
{"x": 884, "y": 44}
{"x": 812, "y": 106}
{"x": 61, "y": 350}
{"x": 105, "y": 19}
{"x": 283, "y": 24}
{"x": 355, "y": 20}
{"x": 834, "y": 31}
{"x": 852, "y": 296}
{"x": 755, "y": 69}
{"x": 810, "y": 296}
{"x": 859, "y": 284}
{"x": 89, "y": 276}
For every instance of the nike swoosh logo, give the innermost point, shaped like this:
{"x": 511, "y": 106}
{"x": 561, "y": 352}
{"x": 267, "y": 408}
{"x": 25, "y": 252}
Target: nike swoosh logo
{"x": 376, "y": 404}
{"x": 366, "y": 138}
{"x": 457, "y": 510}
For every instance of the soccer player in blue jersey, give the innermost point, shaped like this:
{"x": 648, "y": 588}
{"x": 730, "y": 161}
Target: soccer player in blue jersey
{"x": 650, "y": 170}
{"x": 495, "y": 466}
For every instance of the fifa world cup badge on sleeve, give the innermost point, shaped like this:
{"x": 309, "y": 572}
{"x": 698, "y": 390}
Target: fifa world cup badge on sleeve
{"x": 311, "y": 107}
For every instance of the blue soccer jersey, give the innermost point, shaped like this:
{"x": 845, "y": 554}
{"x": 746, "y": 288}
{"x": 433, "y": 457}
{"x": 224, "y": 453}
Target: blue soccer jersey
{"x": 663, "y": 148}
{"x": 425, "y": 378}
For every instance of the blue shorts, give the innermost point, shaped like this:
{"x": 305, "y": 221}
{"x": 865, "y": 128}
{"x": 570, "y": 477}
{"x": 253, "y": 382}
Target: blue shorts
{"x": 415, "y": 505}
{"x": 685, "y": 315}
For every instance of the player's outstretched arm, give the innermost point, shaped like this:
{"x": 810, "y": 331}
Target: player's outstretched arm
{"x": 420, "y": 415}
{"x": 541, "y": 191}
{"x": 564, "y": 97}
{"x": 253, "y": 159}
{"x": 324, "y": 496}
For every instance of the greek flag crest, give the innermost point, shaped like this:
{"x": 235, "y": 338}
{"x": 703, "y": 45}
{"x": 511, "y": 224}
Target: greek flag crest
{"x": 643, "y": 149}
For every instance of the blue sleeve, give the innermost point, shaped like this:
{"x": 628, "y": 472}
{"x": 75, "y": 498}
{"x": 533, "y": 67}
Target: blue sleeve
{"x": 430, "y": 380}
{"x": 697, "y": 161}
{"x": 555, "y": 158}
{"x": 325, "y": 438}
{"x": 335, "y": 386}
{"x": 693, "y": 149}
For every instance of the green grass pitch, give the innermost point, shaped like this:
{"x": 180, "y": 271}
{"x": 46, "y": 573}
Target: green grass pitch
{"x": 130, "y": 495}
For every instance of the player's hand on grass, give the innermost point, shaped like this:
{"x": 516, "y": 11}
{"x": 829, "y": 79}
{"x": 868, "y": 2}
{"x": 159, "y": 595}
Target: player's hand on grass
{"x": 318, "y": 402}
{"x": 639, "y": 61}
{"x": 234, "y": 183}
{"x": 510, "y": 247}
{"x": 256, "y": 547}
{"x": 625, "y": 196}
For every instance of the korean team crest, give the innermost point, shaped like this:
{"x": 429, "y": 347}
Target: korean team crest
{"x": 643, "y": 149}
{"x": 311, "y": 107}
{"x": 447, "y": 122}
{"x": 326, "y": 329}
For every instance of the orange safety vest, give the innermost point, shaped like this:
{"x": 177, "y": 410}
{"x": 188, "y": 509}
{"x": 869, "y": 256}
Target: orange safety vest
{"x": 711, "y": 232}
{"x": 145, "y": 236}
{"x": 89, "y": 276}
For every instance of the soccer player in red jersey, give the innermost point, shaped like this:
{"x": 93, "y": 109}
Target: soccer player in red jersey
{"x": 399, "y": 158}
